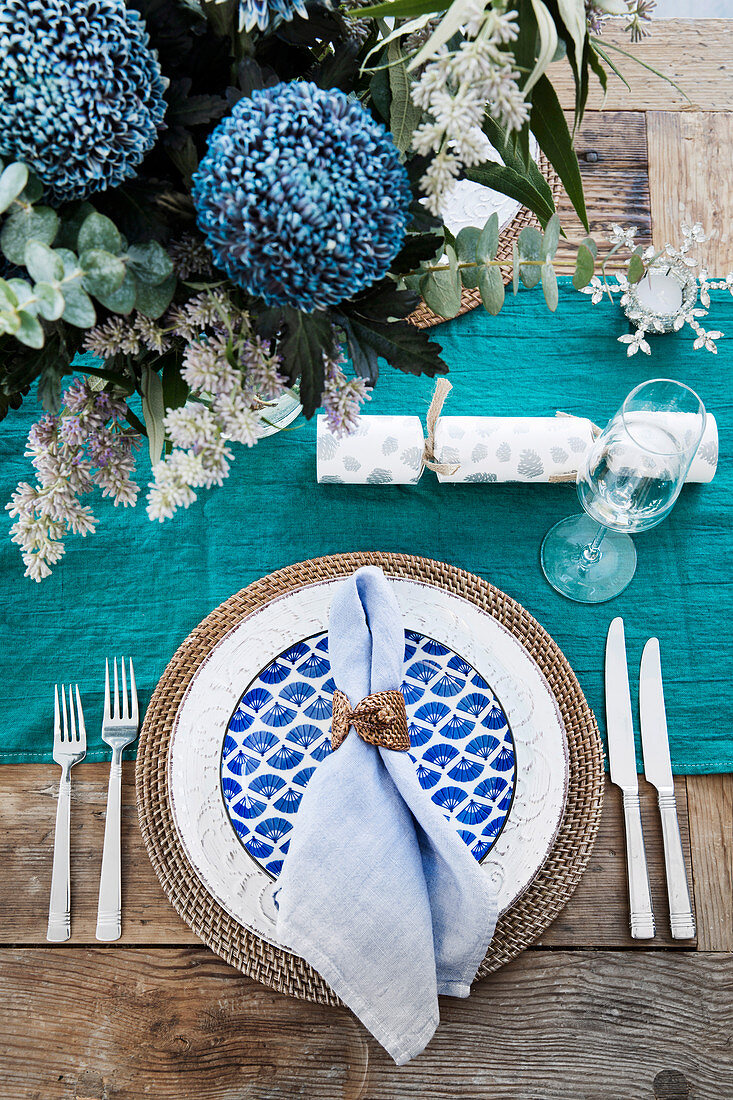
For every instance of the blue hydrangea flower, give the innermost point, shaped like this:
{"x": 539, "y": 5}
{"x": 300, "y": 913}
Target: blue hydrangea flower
{"x": 81, "y": 92}
{"x": 262, "y": 13}
{"x": 302, "y": 197}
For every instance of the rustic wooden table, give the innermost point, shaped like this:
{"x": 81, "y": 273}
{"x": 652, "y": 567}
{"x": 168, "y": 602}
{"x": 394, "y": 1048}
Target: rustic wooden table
{"x": 587, "y": 1013}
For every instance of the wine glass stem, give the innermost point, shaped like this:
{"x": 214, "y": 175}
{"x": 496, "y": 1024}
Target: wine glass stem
{"x": 592, "y": 551}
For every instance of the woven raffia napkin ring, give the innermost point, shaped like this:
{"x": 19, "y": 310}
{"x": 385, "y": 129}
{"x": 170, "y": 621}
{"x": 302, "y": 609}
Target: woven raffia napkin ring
{"x": 379, "y": 719}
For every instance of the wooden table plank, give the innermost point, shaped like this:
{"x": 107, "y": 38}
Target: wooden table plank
{"x": 710, "y": 802}
{"x": 697, "y": 54}
{"x": 690, "y": 180}
{"x": 553, "y": 1025}
{"x": 597, "y": 915}
{"x": 612, "y": 154}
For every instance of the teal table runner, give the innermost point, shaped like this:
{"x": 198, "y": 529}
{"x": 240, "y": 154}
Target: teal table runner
{"x": 137, "y": 587}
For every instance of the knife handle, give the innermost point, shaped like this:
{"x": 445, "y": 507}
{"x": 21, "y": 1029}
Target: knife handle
{"x": 681, "y": 919}
{"x": 640, "y": 899}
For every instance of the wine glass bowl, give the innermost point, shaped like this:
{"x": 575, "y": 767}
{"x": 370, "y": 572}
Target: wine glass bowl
{"x": 630, "y": 480}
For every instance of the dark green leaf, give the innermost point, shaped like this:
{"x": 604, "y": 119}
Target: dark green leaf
{"x": 37, "y": 223}
{"x": 600, "y": 72}
{"x": 380, "y": 92}
{"x": 33, "y": 190}
{"x": 122, "y": 300}
{"x": 150, "y": 262}
{"x": 383, "y": 302}
{"x": 551, "y": 130}
{"x": 604, "y": 57}
{"x": 309, "y": 337}
{"x": 49, "y": 387}
{"x": 401, "y": 344}
{"x": 153, "y": 301}
{"x": 401, "y": 9}
{"x": 75, "y": 214}
{"x": 516, "y": 186}
{"x": 417, "y": 248}
{"x": 512, "y": 158}
{"x": 175, "y": 390}
{"x": 364, "y": 358}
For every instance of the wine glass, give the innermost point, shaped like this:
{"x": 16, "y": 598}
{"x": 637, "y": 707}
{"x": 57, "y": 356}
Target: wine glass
{"x": 632, "y": 475}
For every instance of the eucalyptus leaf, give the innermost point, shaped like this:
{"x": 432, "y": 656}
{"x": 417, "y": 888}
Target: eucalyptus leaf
{"x": 636, "y": 269}
{"x": 442, "y": 289}
{"x": 42, "y": 263}
{"x": 549, "y": 286}
{"x": 584, "y": 266}
{"x": 33, "y": 190}
{"x": 29, "y": 331}
{"x": 50, "y": 301}
{"x": 590, "y": 244}
{"x": 153, "y": 411}
{"x": 8, "y": 297}
{"x": 22, "y": 290}
{"x": 103, "y": 272}
{"x": 12, "y": 182}
{"x": 153, "y": 301}
{"x": 9, "y": 321}
{"x": 466, "y": 243}
{"x": 551, "y": 238}
{"x": 530, "y": 248}
{"x": 122, "y": 300}
{"x": 515, "y": 268}
{"x": 97, "y": 232}
{"x": 492, "y": 289}
{"x": 150, "y": 262}
{"x": 79, "y": 309}
{"x": 488, "y": 241}
{"x": 38, "y": 223}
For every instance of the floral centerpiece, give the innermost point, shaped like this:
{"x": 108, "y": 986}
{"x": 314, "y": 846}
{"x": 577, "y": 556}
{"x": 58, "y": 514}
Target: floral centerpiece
{"x": 208, "y": 202}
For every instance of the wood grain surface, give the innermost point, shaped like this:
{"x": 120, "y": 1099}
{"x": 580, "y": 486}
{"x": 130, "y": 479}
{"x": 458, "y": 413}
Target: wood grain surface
{"x": 695, "y": 53}
{"x": 597, "y": 914}
{"x": 130, "y": 1024}
{"x": 690, "y": 158}
{"x": 710, "y": 802}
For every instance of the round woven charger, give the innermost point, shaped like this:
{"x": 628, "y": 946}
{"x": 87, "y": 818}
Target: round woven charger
{"x": 423, "y": 317}
{"x": 279, "y": 969}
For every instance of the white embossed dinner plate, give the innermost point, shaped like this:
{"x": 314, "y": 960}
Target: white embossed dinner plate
{"x": 264, "y": 654}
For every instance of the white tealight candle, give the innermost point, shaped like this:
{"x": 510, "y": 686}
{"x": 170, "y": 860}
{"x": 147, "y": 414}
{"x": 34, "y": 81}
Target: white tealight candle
{"x": 659, "y": 293}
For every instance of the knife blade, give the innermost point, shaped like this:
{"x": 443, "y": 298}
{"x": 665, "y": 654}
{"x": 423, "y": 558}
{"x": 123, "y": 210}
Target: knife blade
{"x": 658, "y": 771}
{"x": 622, "y": 759}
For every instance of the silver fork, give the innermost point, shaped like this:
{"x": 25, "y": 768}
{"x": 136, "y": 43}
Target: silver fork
{"x": 69, "y": 747}
{"x": 119, "y": 729}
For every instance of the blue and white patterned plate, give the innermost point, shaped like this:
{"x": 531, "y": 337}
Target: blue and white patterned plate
{"x": 462, "y": 745}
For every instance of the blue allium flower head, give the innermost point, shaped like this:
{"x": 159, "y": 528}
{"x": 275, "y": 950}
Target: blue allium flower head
{"x": 263, "y": 13}
{"x": 81, "y": 92}
{"x": 301, "y": 196}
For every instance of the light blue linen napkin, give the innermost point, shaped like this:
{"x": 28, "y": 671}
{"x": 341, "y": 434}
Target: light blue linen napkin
{"x": 378, "y": 892}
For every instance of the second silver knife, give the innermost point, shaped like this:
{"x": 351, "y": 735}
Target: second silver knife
{"x": 622, "y": 759}
{"x": 658, "y": 770}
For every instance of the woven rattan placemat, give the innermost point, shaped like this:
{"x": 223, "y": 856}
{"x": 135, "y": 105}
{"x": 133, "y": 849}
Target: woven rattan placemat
{"x": 276, "y": 968}
{"x": 423, "y": 317}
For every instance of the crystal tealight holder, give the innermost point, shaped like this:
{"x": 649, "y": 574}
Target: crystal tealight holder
{"x": 667, "y": 291}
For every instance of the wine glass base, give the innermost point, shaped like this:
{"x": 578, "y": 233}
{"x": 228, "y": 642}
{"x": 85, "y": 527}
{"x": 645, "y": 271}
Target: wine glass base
{"x": 572, "y": 575}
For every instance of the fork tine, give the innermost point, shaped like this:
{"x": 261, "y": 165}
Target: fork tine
{"x": 72, "y": 715}
{"x": 125, "y": 704}
{"x": 56, "y": 714}
{"x": 107, "y": 709}
{"x": 63, "y": 711}
{"x": 133, "y": 692}
{"x": 117, "y": 694}
{"x": 80, "y": 720}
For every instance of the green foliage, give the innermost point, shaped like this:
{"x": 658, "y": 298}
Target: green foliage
{"x": 91, "y": 260}
{"x": 584, "y": 263}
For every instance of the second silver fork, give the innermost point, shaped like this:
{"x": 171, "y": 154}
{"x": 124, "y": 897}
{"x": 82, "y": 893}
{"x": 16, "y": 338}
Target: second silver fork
{"x": 119, "y": 729}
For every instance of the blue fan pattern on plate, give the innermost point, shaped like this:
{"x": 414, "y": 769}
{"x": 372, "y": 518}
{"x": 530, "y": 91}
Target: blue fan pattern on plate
{"x": 280, "y": 730}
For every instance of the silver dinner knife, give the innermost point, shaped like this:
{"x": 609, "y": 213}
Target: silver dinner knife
{"x": 622, "y": 757}
{"x": 658, "y": 770}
